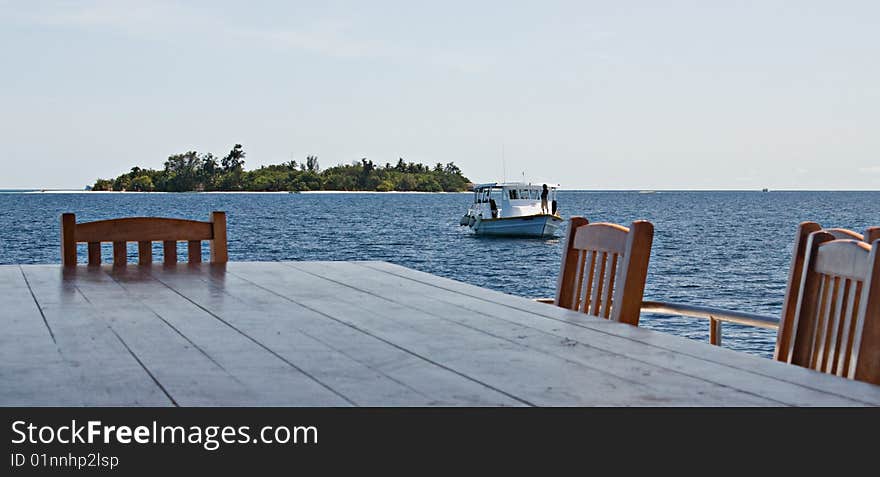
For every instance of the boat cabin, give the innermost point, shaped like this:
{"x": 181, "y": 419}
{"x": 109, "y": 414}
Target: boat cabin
{"x": 511, "y": 199}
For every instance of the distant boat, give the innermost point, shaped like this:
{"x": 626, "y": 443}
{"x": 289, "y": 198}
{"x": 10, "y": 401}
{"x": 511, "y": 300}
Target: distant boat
{"x": 765, "y": 190}
{"x": 519, "y": 214}
{"x": 647, "y": 192}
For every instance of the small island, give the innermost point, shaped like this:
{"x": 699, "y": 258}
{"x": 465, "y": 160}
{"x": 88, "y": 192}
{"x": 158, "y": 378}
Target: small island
{"x": 193, "y": 171}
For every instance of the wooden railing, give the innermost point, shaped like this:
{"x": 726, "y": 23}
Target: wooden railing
{"x": 716, "y": 316}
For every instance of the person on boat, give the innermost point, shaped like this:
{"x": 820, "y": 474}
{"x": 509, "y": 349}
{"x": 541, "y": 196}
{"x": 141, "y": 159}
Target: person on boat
{"x": 544, "y": 208}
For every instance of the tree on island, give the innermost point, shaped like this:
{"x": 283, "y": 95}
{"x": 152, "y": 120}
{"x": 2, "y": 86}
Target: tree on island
{"x": 193, "y": 171}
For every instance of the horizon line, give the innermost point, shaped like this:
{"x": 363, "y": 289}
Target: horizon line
{"x": 64, "y": 189}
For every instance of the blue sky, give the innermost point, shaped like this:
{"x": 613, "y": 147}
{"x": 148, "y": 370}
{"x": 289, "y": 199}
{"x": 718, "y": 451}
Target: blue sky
{"x": 596, "y": 95}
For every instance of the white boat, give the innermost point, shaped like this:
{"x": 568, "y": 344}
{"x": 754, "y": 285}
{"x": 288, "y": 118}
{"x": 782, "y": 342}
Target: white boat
{"x": 514, "y": 209}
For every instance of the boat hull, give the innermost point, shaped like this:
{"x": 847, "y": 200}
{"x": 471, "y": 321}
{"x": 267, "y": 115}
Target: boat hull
{"x": 543, "y": 225}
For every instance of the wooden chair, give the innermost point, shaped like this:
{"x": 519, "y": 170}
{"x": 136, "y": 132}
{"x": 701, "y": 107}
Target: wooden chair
{"x": 835, "y": 327}
{"x": 144, "y": 231}
{"x": 604, "y": 268}
{"x": 784, "y": 330}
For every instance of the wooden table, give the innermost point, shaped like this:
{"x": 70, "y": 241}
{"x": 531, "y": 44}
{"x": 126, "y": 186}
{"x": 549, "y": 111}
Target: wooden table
{"x": 351, "y": 333}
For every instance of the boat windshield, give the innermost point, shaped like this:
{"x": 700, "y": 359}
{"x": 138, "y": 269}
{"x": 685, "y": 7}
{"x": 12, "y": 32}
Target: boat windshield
{"x": 482, "y": 196}
{"x": 524, "y": 192}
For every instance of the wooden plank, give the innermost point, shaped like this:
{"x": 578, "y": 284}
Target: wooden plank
{"x": 366, "y": 370}
{"x": 111, "y": 376}
{"x": 32, "y": 371}
{"x": 134, "y": 229}
{"x": 806, "y": 387}
{"x": 455, "y": 309}
{"x": 270, "y": 380}
{"x": 186, "y": 373}
{"x": 495, "y": 360}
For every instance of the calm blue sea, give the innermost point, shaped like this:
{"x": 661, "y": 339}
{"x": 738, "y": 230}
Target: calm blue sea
{"x": 723, "y": 249}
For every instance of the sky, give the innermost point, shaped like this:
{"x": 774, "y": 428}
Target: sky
{"x": 588, "y": 94}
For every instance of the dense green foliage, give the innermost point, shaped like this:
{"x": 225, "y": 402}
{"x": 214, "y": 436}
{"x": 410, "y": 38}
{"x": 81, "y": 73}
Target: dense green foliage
{"x": 193, "y": 171}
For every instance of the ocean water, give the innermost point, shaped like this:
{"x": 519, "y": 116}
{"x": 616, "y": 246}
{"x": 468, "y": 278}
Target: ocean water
{"x": 721, "y": 249}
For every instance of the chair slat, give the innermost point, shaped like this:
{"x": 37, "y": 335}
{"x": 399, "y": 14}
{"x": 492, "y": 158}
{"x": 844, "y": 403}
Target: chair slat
{"x": 598, "y": 282}
{"x": 94, "y": 253}
{"x": 826, "y": 298}
{"x": 589, "y": 277}
{"x": 583, "y": 277}
{"x": 830, "y": 325}
{"x": 849, "y": 331}
{"x": 608, "y": 287}
{"x": 194, "y": 251}
{"x": 145, "y": 252}
{"x": 120, "y": 253}
{"x": 835, "y": 327}
{"x": 579, "y": 280}
{"x": 169, "y": 252}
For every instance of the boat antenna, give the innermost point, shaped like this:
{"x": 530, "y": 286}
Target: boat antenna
{"x": 503, "y": 165}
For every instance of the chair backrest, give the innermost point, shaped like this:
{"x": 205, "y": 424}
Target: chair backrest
{"x": 604, "y": 268}
{"x": 144, "y": 231}
{"x": 795, "y": 274}
{"x": 836, "y": 325}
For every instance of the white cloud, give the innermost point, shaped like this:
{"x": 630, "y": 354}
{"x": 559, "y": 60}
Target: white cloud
{"x": 119, "y": 15}
{"x": 334, "y": 36}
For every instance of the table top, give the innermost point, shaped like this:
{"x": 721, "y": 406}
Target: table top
{"x": 351, "y": 334}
